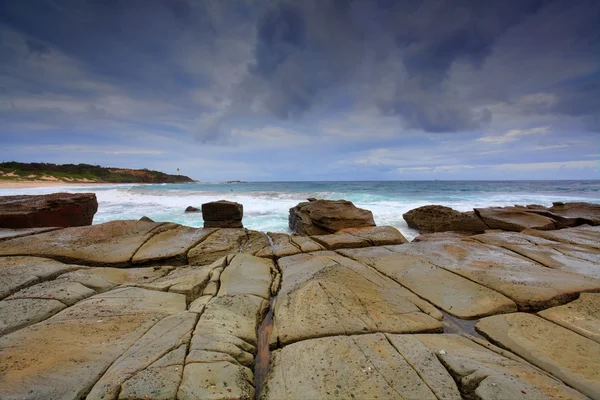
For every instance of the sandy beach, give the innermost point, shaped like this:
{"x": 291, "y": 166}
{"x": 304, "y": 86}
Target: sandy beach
{"x": 7, "y": 184}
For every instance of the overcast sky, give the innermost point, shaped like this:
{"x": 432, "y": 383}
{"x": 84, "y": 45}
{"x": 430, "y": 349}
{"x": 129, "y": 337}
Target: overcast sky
{"x": 305, "y": 90}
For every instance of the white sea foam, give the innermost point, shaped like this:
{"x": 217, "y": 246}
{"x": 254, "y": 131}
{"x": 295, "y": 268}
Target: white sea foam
{"x": 266, "y": 206}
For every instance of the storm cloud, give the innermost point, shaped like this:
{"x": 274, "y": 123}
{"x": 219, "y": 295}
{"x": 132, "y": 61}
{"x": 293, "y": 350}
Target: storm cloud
{"x": 204, "y": 71}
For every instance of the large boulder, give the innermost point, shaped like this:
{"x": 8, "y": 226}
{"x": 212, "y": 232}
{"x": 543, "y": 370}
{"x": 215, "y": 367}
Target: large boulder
{"x": 435, "y": 218}
{"x": 57, "y": 209}
{"x": 222, "y": 214}
{"x": 321, "y": 217}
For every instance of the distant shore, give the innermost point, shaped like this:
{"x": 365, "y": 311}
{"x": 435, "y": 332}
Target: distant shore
{"x": 10, "y": 184}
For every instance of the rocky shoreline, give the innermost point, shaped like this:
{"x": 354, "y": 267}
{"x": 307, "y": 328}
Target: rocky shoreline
{"x": 141, "y": 309}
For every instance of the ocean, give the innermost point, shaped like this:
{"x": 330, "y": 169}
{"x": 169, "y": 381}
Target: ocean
{"x": 266, "y": 204}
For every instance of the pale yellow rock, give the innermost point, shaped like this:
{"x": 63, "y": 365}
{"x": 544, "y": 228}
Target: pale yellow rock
{"x": 171, "y": 245}
{"x": 572, "y": 358}
{"x": 282, "y": 245}
{"x": 484, "y": 374}
{"x": 344, "y": 367}
{"x": 64, "y": 356}
{"x": 377, "y": 235}
{"x": 581, "y": 316}
{"x": 452, "y": 293}
{"x": 199, "y": 304}
{"x": 17, "y": 273}
{"x": 216, "y": 381}
{"x": 168, "y": 334}
{"x": 109, "y": 244}
{"x": 548, "y": 253}
{"x": 66, "y": 292}
{"x": 234, "y": 314}
{"x": 17, "y": 314}
{"x": 583, "y": 236}
{"x": 247, "y": 274}
{"x": 340, "y": 241}
{"x": 344, "y": 297}
{"x": 221, "y": 243}
{"x": 305, "y": 243}
{"x": 530, "y": 285}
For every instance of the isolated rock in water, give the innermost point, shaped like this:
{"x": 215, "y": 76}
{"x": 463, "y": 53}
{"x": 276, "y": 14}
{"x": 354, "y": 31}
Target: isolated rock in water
{"x": 435, "y": 218}
{"x": 222, "y": 214}
{"x": 146, "y": 219}
{"x": 57, "y": 209}
{"x": 321, "y": 217}
{"x": 191, "y": 209}
{"x": 514, "y": 219}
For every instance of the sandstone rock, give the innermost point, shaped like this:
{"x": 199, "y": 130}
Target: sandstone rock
{"x": 305, "y": 244}
{"x": 50, "y": 210}
{"x": 404, "y": 367}
{"x": 361, "y": 367}
{"x": 66, "y": 292}
{"x": 191, "y": 209}
{"x": 585, "y": 213}
{"x": 209, "y": 347}
{"x": 235, "y": 315}
{"x": 484, "y": 374}
{"x": 168, "y": 334}
{"x": 219, "y": 244}
{"x": 17, "y": 273}
{"x": 247, "y": 274}
{"x": 567, "y": 355}
{"x": 199, "y": 304}
{"x": 345, "y": 297}
{"x": 6, "y": 234}
{"x": 452, "y": 293}
{"x": 531, "y": 286}
{"x": 216, "y": 381}
{"x": 282, "y": 245}
{"x": 435, "y": 218}
{"x": 441, "y": 236}
{"x": 340, "y": 241}
{"x": 109, "y": 244}
{"x": 514, "y": 219}
{"x": 64, "y": 356}
{"x": 155, "y": 383}
{"x": 19, "y": 313}
{"x": 548, "y": 253}
{"x": 321, "y": 217}
{"x": 171, "y": 245}
{"x": 103, "y": 279}
{"x": 222, "y": 214}
{"x": 584, "y": 236}
{"x": 377, "y": 235}
{"x": 581, "y": 316}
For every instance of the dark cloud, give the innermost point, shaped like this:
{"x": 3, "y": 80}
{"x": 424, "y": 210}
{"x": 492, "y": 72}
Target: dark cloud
{"x": 437, "y": 65}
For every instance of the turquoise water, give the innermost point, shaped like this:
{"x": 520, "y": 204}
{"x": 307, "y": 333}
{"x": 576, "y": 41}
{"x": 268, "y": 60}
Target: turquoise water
{"x": 266, "y": 204}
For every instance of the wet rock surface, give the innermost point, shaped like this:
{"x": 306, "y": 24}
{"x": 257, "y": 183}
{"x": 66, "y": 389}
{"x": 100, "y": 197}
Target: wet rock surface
{"x": 48, "y": 210}
{"x": 136, "y": 310}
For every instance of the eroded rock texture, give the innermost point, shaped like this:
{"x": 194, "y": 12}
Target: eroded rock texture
{"x": 48, "y": 210}
{"x": 144, "y": 310}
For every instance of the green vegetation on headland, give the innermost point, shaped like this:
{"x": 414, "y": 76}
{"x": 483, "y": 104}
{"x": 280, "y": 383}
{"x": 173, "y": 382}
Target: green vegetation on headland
{"x": 83, "y": 173}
